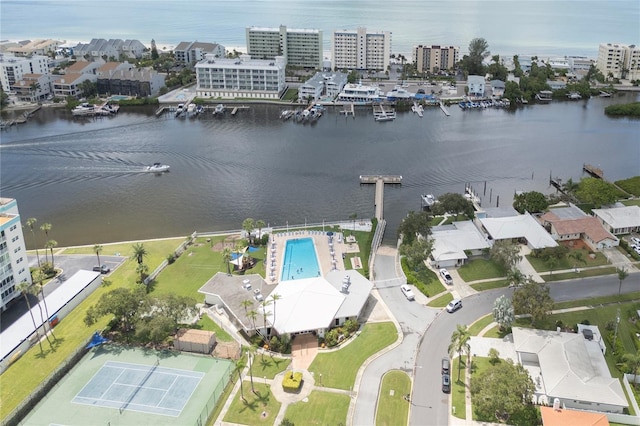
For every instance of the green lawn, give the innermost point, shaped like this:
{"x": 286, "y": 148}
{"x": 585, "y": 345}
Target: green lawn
{"x": 442, "y": 301}
{"x": 251, "y": 412}
{"x": 268, "y": 366}
{"x": 631, "y": 185}
{"x": 568, "y": 263}
{"x": 480, "y": 324}
{"x": 489, "y": 285}
{"x": 594, "y": 301}
{"x": 435, "y": 220}
{"x": 207, "y": 323}
{"x": 339, "y": 368}
{"x": 425, "y": 280}
{"x": 323, "y": 408}
{"x": 458, "y": 389}
{"x": 582, "y": 274}
{"x": 635, "y": 202}
{"x": 481, "y": 269}
{"x": 393, "y": 409}
{"x": 159, "y": 249}
{"x": 457, "y": 218}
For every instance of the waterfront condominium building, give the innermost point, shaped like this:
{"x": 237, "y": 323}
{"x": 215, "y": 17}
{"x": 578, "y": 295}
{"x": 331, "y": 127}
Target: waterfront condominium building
{"x": 299, "y": 47}
{"x": 359, "y": 49}
{"x": 435, "y": 58}
{"x": 13, "y": 68}
{"x": 243, "y": 77}
{"x": 190, "y": 52}
{"x": 14, "y": 266}
{"x": 619, "y": 60}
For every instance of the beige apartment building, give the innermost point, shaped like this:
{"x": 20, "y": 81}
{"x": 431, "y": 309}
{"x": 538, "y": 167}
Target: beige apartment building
{"x": 435, "y": 58}
{"x": 619, "y": 61}
{"x": 360, "y": 49}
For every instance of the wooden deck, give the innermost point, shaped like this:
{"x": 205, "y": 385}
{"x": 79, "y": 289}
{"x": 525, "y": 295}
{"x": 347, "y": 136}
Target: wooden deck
{"x": 380, "y": 181}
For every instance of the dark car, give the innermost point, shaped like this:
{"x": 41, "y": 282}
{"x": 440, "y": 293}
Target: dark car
{"x": 445, "y": 365}
{"x": 103, "y": 269}
{"x": 421, "y": 91}
{"x": 446, "y": 383}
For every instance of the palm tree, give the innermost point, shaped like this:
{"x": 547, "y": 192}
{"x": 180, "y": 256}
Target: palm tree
{"x": 248, "y": 224}
{"x": 578, "y": 257}
{"x": 460, "y": 344}
{"x": 622, "y": 274}
{"x": 23, "y": 288}
{"x": 51, "y": 244}
{"x": 251, "y": 354}
{"x": 260, "y": 224}
{"x": 97, "y": 250}
{"x": 238, "y": 367}
{"x": 30, "y": 222}
{"x": 33, "y": 290}
{"x": 37, "y": 276}
{"x": 139, "y": 253}
{"x": 46, "y": 227}
{"x": 35, "y": 86}
{"x": 142, "y": 270}
{"x": 570, "y": 186}
{"x": 264, "y": 305}
{"x": 252, "y": 315}
{"x": 515, "y": 278}
{"x": 226, "y": 258}
{"x": 632, "y": 362}
{"x": 275, "y": 297}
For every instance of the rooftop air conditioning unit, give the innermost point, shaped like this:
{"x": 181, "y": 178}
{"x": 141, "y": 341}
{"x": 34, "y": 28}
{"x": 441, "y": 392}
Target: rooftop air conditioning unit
{"x": 588, "y": 334}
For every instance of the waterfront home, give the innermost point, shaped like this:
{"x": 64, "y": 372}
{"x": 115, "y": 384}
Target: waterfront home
{"x": 619, "y": 220}
{"x": 574, "y": 228}
{"x": 454, "y": 244}
{"x": 497, "y": 88}
{"x": 33, "y": 87}
{"x": 517, "y": 228}
{"x": 321, "y": 85}
{"x": 476, "y": 85}
{"x": 188, "y": 53}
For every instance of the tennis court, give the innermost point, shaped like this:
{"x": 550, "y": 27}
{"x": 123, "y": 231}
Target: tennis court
{"x": 119, "y": 385}
{"x": 155, "y": 390}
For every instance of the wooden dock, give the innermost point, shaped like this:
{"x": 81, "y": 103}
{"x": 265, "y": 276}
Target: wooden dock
{"x": 238, "y": 108}
{"x": 380, "y": 181}
{"x": 349, "y": 109}
{"x": 593, "y": 171}
{"x": 444, "y": 109}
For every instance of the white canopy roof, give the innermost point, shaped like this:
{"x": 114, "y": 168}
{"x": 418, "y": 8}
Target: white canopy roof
{"x": 521, "y": 226}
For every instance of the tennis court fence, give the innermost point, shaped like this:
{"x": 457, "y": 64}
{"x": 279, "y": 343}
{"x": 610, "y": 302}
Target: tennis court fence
{"x": 214, "y": 399}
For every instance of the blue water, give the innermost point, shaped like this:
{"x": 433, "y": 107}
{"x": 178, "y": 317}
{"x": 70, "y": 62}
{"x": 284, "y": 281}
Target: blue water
{"x": 300, "y": 260}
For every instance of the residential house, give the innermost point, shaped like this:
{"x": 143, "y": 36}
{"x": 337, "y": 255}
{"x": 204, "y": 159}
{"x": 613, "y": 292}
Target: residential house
{"x": 33, "y": 87}
{"x": 522, "y": 228}
{"x": 360, "y": 49}
{"x": 619, "y": 220}
{"x": 188, "y": 53}
{"x": 141, "y": 82}
{"x": 476, "y": 85}
{"x": 569, "y": 367}
{"x": 111, "y": 49}
{"x": 565, "y": 417}
{"x": 497, "y": 88}
{"x": 69, "y": 84}
{"x": 573, "y": 228}
{"x": 453, "y": 244}
{"x": 242, "y": 77}
{"x": 322, "y": 84}
{"x": 84, "y": 67}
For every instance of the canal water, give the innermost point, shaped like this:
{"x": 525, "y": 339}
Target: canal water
{"x": 86, "y": 176}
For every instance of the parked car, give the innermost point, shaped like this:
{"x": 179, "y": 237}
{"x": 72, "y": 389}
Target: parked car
{"x": 446, "y": 383}
{"x": 454, "y": 305}
{"x": 635, "y": 240}
{"x": 103, "y": 269}
{"x": 408, "y": 293}
{"x": 446, "y": 276}
{"x": 445, "y": 365}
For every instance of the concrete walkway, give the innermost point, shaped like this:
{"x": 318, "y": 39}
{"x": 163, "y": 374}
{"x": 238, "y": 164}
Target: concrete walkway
{"x": 525, "y": 267}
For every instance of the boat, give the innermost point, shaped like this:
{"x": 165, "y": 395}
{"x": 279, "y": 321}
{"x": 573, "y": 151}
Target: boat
{"x": 191, "y": 109}
{"x": 604, "y": 94}
{"x": 219, "y": 109}
{"x": 84, "y": 109}
{"x": 399, "y": 93}
{"x": 574, "y": 96}
{"x": 385, "y": 116}
{"x": 428, "y": 200}
{"x": 420, "y": 110}
{"x": 179, "y": 110}
{"x": 157, "y": 168}
{"x": 199, "y": 109}
{"x": 544, "y": 96}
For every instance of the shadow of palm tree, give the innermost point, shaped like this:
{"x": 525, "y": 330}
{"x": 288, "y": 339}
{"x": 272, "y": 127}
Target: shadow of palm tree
{"x": 55, "y": 344}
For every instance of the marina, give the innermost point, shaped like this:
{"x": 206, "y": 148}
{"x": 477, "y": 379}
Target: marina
{"x": 383, "y": 112}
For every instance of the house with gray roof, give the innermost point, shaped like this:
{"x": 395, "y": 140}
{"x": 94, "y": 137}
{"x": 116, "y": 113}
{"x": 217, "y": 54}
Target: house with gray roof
{"x": 569, "y": 367}
{"x": 454, "y": 243}
{"x": 518, "y": 228}
{"x": 619, "y": 220}
{"x": 308, "y": 305}
{"x": 112, "y": 48}
{"x": 476, "y": 85}
{"x": 191, "y": 52}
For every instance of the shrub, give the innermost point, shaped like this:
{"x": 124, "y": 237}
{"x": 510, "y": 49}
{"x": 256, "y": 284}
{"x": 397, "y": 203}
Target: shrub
{"x": 171, "y": 258}
{"x": 351, "y": 326}
{"x": 292, "y": 381}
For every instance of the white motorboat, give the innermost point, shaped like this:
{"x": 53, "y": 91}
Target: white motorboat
{"x": 157, "y": 168}
{"x": 179, "y": 110}
{"x": 84, "y": 109}
{"x": 428, "y": 200}
{"x": 219, "y": 109}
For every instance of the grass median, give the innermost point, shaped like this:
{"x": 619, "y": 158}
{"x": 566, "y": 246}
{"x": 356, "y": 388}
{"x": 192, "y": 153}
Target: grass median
{"x": 322, "y": 408}
{"x": 393, "y": 408}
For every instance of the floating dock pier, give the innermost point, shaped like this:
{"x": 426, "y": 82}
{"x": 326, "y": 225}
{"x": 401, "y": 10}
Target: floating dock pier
{"x": 380, "y": 181}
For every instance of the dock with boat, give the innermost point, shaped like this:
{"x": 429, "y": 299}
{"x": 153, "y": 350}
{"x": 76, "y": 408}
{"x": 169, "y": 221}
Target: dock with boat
{"x": 417, "y": 109}
{"x": 593, "y": 171}
{"x": 382, "y": 112}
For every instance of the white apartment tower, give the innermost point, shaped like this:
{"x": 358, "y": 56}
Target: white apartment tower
{"x": 14, "y": 266}
{"x": 430, "y": 58}
{"x": 13, "y": 68}
{"x": 359, "y": 49}
{"x": 619, "y": 60}
{"x": 299, "y": 47}
{"x": 243, "y": 77}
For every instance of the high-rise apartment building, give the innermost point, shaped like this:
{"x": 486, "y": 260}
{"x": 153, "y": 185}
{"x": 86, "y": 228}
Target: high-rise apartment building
{"x": 299, "y": 47}
{"x": 14, "y": 267}
{"x": 13, "y": 68}
{"x": 435, "y": 58}
{"x": 619, "y": 61}
{"x": 359, "y": 49}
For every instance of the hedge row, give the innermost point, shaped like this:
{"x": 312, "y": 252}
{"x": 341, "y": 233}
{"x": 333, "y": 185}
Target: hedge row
{"x": 292, "y": 381}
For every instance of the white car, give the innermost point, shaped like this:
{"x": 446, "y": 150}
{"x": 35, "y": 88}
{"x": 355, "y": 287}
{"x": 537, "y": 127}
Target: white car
{"x": 408, "y": 293}
{"x": 635, "y": 241}
{"x": 446, "y": 276}
{"x": 454, "y": 305}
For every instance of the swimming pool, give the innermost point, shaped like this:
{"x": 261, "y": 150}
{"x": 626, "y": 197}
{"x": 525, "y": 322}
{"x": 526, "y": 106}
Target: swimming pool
{"x": 300, "y": 260}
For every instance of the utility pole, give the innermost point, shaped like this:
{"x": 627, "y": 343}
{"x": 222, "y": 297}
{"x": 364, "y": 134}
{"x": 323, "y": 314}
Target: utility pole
{"x": 615, "y": 334}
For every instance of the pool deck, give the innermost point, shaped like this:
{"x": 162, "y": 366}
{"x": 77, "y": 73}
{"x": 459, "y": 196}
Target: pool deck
{"x": 323, "y": 252}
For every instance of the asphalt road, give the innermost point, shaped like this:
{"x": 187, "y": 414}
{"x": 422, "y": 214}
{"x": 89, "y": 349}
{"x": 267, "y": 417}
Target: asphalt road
{"x": 69, "y": 264}
{"x": 429, "y": 405}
